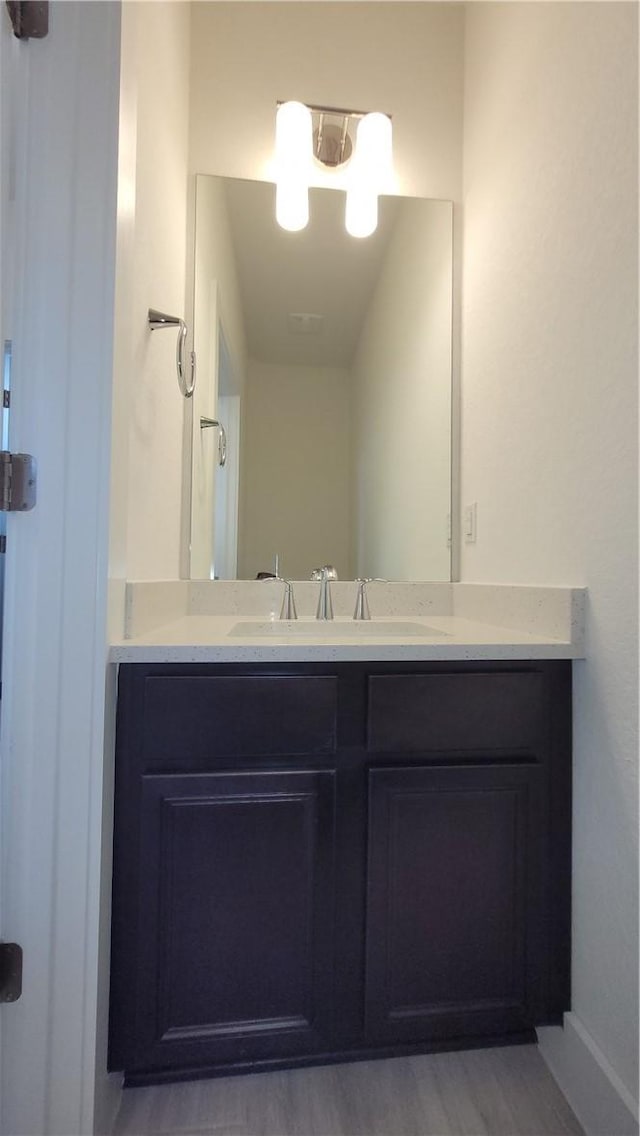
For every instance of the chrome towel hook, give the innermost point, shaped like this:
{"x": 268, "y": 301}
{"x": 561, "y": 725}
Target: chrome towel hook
{"x": 222, "y": 437}
{"x": 158, "y": 320}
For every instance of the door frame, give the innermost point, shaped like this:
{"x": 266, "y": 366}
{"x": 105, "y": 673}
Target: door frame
{"x": 228, "y": 483}
{"x": 52, "y": 737}
{"x": 204, "y": 443}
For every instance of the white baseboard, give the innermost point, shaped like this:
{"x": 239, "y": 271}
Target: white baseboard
{"x": 602, "y": 1104}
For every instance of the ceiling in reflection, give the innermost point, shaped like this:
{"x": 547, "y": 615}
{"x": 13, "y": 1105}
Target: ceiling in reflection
{"x": 321, "y": 271}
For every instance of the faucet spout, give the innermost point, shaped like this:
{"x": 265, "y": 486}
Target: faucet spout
{"x": 362, "y": 603}
{"x": 362, "y": 610}
{"x": 288, "y": 609}
{"x": 325, "y": 604}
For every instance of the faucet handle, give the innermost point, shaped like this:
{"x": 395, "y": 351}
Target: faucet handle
{"x": 362, "y": 603}
{"x": 327, "y": 571}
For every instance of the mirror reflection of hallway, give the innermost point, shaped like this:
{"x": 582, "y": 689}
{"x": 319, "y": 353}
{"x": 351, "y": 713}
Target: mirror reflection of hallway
{"x": 339, "y": 352}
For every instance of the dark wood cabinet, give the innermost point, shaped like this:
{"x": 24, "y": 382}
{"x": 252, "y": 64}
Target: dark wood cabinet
{"x": 316, "y": 862}
{"x": 453, "y": 900}
{"x": 236, "y": 915}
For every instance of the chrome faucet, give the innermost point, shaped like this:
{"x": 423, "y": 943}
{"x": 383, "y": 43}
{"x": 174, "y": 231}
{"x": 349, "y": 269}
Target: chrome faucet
{"x": 362, "y": 601}
{"x": 325, "y": 606}
{"x": 288, "y": 608}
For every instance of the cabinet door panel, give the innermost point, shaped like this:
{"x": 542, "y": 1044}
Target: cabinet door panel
{"x": 235, "y": 920}
{"x": 453, "y": 901}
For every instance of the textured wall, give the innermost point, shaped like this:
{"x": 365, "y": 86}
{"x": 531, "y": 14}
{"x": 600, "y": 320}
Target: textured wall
{"x": 549, "y": 412}
{"x": 156, "y": 406}
{"x": 401, "y": 58}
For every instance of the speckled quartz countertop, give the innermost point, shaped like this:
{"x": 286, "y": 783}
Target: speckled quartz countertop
{"x": 182, "y": 622}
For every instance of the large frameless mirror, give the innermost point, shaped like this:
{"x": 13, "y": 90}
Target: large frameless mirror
{"x": 322, "y": 413}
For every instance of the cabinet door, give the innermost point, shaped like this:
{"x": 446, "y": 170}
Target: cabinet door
{"x": 453, "y": 901}
{"x": 234, "y": 943}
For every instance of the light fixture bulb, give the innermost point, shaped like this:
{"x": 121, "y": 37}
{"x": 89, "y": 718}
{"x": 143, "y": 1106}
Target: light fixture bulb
{"x": 361, "y": 214}
{"x": 371, "y": 167}
{"x": 373, "y": 147}
{"x": 294, "y": 150}
{"x": 292, "y": 204}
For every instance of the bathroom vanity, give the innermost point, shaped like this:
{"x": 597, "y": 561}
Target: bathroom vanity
{"x": 322, "y": 860}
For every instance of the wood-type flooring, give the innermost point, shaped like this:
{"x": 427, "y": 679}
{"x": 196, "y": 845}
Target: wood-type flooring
{"x": 484, "y": 1092}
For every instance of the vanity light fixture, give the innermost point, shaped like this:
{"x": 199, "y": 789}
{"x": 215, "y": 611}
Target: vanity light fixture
{"x": 307, "y": 133}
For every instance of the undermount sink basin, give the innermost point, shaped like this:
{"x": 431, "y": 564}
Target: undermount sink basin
{"x": 335, "y": 628}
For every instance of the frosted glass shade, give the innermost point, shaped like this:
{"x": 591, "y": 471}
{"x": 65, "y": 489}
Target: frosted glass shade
{"x": 294, "y": 149}
{"x": 292, "y": 204}
{"x": 370, "y": 169}
{"x": 361, "y": 215}
{"x": 373, "y": 145}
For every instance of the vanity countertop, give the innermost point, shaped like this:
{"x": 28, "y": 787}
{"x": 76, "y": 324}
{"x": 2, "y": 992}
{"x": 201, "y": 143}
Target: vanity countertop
{"x": 219, "y": 639}
{"x": 185, "y": 621}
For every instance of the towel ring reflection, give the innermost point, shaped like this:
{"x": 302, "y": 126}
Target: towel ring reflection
{"x": 222, "y": 437}
{"x": 158, "y": 320}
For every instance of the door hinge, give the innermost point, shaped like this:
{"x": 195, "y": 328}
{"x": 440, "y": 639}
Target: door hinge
{"x": 17, "y": 482}
{"x": 3, "y": 543}
{"x": 29, "y": 18}
{"x": 10, "y": 972}
{"x": 6, "y": 399}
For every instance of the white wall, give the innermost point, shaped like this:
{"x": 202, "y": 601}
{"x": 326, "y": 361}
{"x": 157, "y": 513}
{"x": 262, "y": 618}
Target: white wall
{"x": 401, "y": 417}
{"x": 401, "y": 58}
{"x": 549, "y": 413}
{"x": 295, "y": 470}
{"x": 156, "y": 407}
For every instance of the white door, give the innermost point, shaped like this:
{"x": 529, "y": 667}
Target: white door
{"x": 59, "y": 149}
